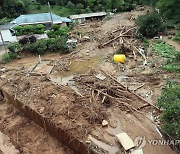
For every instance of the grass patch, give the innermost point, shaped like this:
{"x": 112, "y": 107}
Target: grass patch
{"x": 164, "y": 50}
{"x": 170, "y": 102}
{"x": 177, "y": 37}
{"x": 172, "y": 57}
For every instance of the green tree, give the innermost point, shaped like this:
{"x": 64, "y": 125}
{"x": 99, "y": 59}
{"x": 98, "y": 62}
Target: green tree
{"x": 170, "y": 9}
{"x": 150, "y": 25}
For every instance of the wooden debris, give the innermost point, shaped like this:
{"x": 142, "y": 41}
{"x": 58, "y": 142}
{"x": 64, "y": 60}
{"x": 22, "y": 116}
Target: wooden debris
{"x": 125, "y": 141}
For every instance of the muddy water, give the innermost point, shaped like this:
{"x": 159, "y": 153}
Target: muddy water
{"x": 171, "y": 42}
{"x": 76, "y": 67}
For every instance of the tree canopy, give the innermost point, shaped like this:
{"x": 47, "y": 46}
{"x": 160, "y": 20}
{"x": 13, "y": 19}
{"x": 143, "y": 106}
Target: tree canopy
{"x": 12, "y": 8}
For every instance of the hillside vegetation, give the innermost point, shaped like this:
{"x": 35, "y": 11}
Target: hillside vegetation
{"x": 13, "y": 8}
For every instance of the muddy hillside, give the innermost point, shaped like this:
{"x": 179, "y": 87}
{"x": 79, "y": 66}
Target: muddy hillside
{"x": 83, "y": 102}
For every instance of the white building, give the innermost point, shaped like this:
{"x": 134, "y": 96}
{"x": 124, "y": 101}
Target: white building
{"x": 80, "y": 18}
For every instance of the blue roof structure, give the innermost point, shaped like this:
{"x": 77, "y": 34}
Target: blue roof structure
{"x": 39, "y": 18}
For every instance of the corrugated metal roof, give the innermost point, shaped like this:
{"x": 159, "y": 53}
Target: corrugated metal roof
{"x": 79, "y": 16}
{"x": 39, "y": 18}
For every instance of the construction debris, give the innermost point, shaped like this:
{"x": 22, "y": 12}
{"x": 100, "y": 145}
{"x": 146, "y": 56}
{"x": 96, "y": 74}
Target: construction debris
{"x": 138, "y": 151}
{"x": 125, "y": 141}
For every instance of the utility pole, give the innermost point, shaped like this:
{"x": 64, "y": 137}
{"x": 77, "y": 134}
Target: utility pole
{"x": 50, "y": 12}
{"x": 2, "y": 41}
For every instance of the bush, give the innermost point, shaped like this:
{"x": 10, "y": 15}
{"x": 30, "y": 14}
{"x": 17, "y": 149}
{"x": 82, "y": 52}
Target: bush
{"x": 29, "y": 29}
{"x": 170, "y": 102}
{"x": 13, "y": 55}
{"x": 55, "y": 27}
{"x": 61, "y": 31}
{"x": 150, "y": 25}
{"x": 51, "y": 34}
{"x": 14, "y": 47}
{"x": 38, "y": 47}
{"x": 6, "y": 58}
{"x": 52, "y": 44}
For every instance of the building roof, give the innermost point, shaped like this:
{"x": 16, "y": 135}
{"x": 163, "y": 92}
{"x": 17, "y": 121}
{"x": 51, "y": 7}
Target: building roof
{"x": 39, "y": 18}
{"x": 88, "y": 15}
{"x": 6, "y": 26}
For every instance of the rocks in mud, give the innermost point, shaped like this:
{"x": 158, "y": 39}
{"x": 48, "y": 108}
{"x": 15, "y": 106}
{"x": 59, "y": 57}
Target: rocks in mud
{"x": 3, "y": 70}
{"x": 41, "y": 110}
{"x": 104, "y": 123}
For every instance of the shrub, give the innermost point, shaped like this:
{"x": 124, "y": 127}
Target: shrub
{"x": 29, "y": 29}
{"x": 40, "y": 46}
{"x": 51, "y": 34}
{"x": 52, "y": 44}
{"x": 61, "y": 31}
{"x": 14, "y": 47}
{"x": 170, "y": 102}
{"x": 13, "y": 55}
{"x": 55, "y": 27}
{"x": 150, "y": 25}
{"x": 6, "y": 58}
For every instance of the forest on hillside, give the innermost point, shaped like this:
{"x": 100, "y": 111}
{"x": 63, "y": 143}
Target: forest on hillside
{"x": 12, "y": 8}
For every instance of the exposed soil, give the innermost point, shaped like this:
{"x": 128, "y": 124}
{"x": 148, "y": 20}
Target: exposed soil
{"x": 25, "y": 135}
{"x": 77, "y": 91}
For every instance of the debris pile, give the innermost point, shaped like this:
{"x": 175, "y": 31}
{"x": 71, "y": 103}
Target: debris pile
{"x": 109, "y": 92}
{"x": 124, "y": 38}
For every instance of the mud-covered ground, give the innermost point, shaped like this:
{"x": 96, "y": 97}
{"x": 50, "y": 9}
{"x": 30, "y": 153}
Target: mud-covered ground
{"x": 76, "y": 93}
{"x": 25, "y": 135}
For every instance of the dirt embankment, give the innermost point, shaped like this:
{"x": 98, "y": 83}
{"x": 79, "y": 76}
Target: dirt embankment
{"x": 25, "y": 135}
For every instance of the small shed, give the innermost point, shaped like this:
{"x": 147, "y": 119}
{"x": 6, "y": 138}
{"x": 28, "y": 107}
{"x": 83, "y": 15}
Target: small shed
{"x": 80, "y": 18}
{"x": 42, "y": 18}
